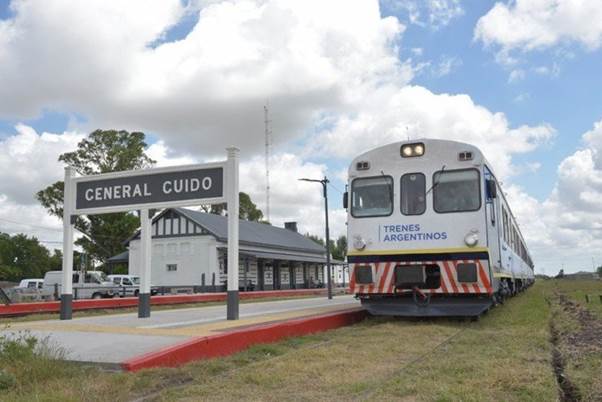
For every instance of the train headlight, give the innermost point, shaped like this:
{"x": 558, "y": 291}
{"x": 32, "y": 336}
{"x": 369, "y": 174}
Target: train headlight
{"x": 359, "y": 243}
{"x": 471, "y": 239}
{"x": 412, "y": 150}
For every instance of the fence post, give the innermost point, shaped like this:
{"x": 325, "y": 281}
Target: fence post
{"x": 213, "y": 282}
{"x": 56, "y": 291}
{"x": 75, "y": 293}
{"x": 587, "y": 298}
{"x": 203, "y": 282}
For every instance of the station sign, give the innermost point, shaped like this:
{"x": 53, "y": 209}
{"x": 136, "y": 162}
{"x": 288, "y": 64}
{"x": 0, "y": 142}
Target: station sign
{"x": 150, "y": 188}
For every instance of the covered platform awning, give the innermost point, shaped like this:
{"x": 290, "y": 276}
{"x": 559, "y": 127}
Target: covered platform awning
{"x": 119, "y": 258}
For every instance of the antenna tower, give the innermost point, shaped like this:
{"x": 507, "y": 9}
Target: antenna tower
{"x": 268, "y": 144}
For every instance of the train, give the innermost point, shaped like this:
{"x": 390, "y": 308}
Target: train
{"x": 430, "y": 232}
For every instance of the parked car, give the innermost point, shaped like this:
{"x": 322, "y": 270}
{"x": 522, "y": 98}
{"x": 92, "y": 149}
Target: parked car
{"x": 31, "y": 284}
{"x": 86, "y": 284}
{"x": 128, "y": 285}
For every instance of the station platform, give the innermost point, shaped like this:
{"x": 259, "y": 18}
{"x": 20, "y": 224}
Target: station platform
{"x": 172, "y": 337}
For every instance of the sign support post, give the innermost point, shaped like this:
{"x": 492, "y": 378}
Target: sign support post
{"x": 67, "y": 288}
{"x": 144, "y": 190}
{"x": 145, "y": 268}
{"x": 233, "y": 211}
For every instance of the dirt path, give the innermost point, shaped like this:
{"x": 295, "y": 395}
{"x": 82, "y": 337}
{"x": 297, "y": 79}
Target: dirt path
{"x": 576, "y": 337}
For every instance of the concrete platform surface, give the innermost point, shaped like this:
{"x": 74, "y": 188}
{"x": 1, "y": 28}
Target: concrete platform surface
{"x": 113, "y": 339}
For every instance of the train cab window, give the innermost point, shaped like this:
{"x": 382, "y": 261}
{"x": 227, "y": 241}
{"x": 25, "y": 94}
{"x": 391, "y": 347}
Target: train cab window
{"x": 372, "y": 196}
{"x": 413, "y": 197}
{"x": 456, "y": 190}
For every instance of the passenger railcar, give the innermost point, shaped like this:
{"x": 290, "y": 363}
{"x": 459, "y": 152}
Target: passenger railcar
{"x": 430, "y": 232}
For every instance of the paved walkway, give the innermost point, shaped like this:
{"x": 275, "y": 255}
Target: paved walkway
{"x": 112, "y": 339}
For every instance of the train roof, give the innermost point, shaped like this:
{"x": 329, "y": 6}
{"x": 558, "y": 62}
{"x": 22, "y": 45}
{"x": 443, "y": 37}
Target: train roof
{"x": 429, "y": 143}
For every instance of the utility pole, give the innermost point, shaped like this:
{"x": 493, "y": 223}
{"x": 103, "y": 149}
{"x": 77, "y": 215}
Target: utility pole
{"x": 324, "y": 183}
{"x": 268, "y": 143}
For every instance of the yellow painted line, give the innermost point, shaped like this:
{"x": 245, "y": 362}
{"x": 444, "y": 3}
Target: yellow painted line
{"x": 188, "y": 331}
{"x": 224, "y": 326}
{"x": 421, "y": 251}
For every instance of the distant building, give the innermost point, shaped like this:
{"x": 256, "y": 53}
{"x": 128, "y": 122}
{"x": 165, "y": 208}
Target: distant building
{"x": 189, "y": 248}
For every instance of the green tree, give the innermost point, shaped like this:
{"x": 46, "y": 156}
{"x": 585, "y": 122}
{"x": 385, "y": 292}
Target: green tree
{"x": 316, "y": 239}
{"x": 338, "y": 248}
{"x": 24, "y": 257}
{"x": 247, "y": 209}
{"x": 599, "y": 271}
{"x": 103, "y": 151}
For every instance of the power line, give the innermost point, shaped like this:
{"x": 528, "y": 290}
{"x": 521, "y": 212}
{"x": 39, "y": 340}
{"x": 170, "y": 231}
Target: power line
{"x": 32, "y": 226}
{"x": 335, "y": 189}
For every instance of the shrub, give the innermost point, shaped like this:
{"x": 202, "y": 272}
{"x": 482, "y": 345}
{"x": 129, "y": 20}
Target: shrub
{"x": 7, "y": 380}
{"x": 20, "y": 346}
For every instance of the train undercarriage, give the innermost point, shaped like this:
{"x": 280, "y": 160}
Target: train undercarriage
{"x": 417, "y": 303}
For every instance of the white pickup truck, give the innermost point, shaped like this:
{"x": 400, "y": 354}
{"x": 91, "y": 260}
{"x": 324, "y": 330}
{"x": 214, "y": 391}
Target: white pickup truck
{"x": 86, "y": 284}
{"x": 31, "y": 284}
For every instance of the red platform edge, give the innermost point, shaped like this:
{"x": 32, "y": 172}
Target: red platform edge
{"x": 237, "y": 340}
{"x": 19, "y": 309}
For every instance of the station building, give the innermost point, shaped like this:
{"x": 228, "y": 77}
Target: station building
{"x": 189, "y": 248}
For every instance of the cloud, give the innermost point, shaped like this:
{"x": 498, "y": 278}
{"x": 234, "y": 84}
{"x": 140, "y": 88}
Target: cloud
{"x": 291, "y": 199}
{"x": 446, "y": 66}
{"x": 392, "y": 114}
{"x": 29, "y": 162}
{"x": 334, "y": 80}
{"x": 516, "y": 75}
{"x": 432, "y": 13}
{"x": 566, "y": 227}
{"x": 528, "y": 25}
{"x": 207, "y": 90}
{"x": 32, "y": 220}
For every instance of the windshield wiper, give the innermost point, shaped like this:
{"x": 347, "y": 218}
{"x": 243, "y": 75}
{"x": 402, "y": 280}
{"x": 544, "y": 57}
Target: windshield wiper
{"x": 390, "y": 185}
{"x": 435, "y": 183}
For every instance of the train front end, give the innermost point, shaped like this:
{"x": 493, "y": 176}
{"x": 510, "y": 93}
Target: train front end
{"x": 417, "y": 230}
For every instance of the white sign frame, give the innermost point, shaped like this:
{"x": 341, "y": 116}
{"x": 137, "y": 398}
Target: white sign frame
{"x": 230, "y": 195}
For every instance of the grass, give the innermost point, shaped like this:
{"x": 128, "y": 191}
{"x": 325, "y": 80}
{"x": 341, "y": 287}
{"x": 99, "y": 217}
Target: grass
{"x": 577, "y": 291}
{"x": 504, "y": 356}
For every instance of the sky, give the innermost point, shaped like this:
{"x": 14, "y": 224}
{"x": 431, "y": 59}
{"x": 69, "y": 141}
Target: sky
{"x": 520, "y": 79}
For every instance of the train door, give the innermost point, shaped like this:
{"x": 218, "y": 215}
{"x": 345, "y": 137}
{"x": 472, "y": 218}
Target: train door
{"x": 494, "y": 220}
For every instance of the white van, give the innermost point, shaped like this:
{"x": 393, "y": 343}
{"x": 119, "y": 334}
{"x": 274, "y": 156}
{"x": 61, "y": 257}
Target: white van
{"x": 129, "y": 285}
{"x": 86, "y": 285}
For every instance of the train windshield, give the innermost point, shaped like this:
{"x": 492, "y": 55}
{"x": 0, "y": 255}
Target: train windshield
{"x": 372, "y": 196}
{"x": 456, "y": 191}
{"x": 413, "y": 197}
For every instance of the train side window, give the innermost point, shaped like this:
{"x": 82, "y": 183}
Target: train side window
{"x": 456, "y": 191}
{"x": 505, "y": 224}
{"x": 413, "y": 197}
{"x": 372, "y": 196}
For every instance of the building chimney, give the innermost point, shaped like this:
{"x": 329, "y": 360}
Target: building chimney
{"x": 291, "y": 226}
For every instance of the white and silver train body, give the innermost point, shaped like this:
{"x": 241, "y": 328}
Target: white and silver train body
{"x": 430, "y": 232}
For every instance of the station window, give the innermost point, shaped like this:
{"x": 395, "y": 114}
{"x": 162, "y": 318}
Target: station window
{"x": 372, "y": 196}
{"x": 456, "y": 191}
{"x": 413, "y": 197}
